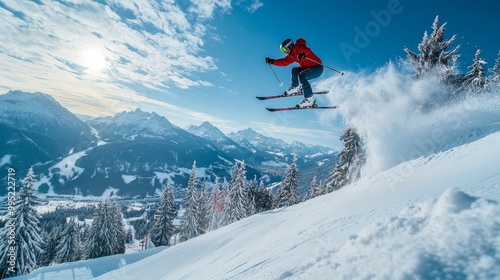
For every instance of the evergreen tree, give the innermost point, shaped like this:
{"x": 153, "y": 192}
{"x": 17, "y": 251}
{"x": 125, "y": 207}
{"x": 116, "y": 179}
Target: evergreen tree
{"x": 495, "y": 72}
{"x": 433, "y": 53}
{"x": 314, "y": 188}
{"x": 204, "y": 209}
{"x": 351, "y": 158}
{"x": 130, "y": 236}
{"x": 163, "y": 224}
{"x": 107, "y": 234}
{"x": 8, "y": 265}
{"x": 263, "y": 198}
{"x": 51, "y": 240}
{"x": 475, "y": 80}
{"x": 217, "y": 198}
{"x": 27, "y": 236}
{"x": 237, "y": 198}
{"x": 119, "y": 228}
{"x": 68, "y": 249}
{"x": 84, "y": 233}
{"x": 252, "y": 196}
{"x": 225, "y": 214}
{"x": 288, "y": 193}
{"x": 190, "y": 227}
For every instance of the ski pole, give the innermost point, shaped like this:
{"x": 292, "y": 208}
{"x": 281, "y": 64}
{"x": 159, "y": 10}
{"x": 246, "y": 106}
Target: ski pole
{"x": 281, "y": 84}
{"x": 341, "y": 73}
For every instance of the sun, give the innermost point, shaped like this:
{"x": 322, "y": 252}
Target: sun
{"x": 94, "y": 60}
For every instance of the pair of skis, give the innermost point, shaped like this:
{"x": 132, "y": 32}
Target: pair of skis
{"x": 314, "y": 106}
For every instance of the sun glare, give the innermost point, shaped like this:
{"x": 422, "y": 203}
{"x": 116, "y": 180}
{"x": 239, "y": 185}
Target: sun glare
{"x": 94, "y": 60}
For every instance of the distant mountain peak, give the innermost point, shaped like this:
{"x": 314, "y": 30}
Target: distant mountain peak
{"x": 130, "y": 124}
{"x": 208, "y": 131}
{"x": 207, "y": 123}
{"x": 17, "y": 100}
{"x": 249, "y": 131}
{"x": 34, "y": 111}
{"x": 41, "y": 114}
{"x": 255, "y": 138}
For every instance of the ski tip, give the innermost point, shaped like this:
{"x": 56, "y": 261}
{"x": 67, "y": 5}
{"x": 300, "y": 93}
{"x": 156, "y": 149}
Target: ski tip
{"x": 260, "y": 97}
{"x": 277, "y": 109}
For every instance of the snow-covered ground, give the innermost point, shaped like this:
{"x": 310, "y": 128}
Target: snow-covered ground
{"x": 67, "y": 169}
{"x": 439, "y": 218}
{"x": 427, "y": 206}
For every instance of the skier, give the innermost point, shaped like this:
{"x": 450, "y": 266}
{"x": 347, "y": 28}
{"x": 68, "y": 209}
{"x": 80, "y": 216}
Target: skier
{"x": 310, "y": 67}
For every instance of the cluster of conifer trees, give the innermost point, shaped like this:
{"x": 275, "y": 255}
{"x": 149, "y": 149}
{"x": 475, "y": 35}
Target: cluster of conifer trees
{"x": 434, "y": 57}
{"x": 32, "y": 248}
{"x": 232, "y": 201}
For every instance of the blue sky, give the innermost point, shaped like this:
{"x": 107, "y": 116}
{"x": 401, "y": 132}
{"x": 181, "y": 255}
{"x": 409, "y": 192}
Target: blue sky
{"x": 197, "y": 60}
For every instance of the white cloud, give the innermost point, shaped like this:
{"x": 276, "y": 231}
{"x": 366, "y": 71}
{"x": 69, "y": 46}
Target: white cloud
{"x": 255, "y": 6}
{"x": 161, "y": 46}
{"x": 141, "y": 43}
{"x": 205, "y": 8}
{"x": 251, "y": 7}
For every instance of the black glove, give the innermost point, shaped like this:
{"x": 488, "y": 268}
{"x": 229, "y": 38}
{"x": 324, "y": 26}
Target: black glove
{"x": 301, "y": 56}
{"x": 269, "y": 60}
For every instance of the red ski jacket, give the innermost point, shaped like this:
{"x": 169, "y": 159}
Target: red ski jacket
{"x": 298, "y": 48}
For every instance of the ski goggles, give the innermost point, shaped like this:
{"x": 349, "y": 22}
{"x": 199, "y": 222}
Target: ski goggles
{"x": 285, "y": 47}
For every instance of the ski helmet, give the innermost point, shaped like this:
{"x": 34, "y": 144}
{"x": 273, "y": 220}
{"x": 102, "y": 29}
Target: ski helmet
{"x": 286, "y": 45}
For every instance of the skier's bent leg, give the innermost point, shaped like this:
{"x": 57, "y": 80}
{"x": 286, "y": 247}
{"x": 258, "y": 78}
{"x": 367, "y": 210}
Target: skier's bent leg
{"x": 309, "y": 74}
{"x": 294, "y": 76}
{"x": 306, "y": 87}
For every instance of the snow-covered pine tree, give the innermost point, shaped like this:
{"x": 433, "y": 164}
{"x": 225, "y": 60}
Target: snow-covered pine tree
{"x": 190, "y": 227}
{"x": 84, "y": 234}
{"x": 314, "y": 189}
{"x": 433, "y": 53}
{"x": 494, "y": 80}
{"x": 225, "y": 216}
{"x": 68, "y": 249}
{"x": 263, "y": 198}
{"x": 216, "y": 205}
{"x": 475, "y": 80}
{"x": 94, "y": 238}
{"x": 51, "y": 240}
{"x": 28, "y": 240}
{"x": 288, "y": 193}
{"x": 237, "y": 199}
{"x": 204, "y": 209}
{"x": 130, "y": 236}
{"x": 118, "y": 228}
{"x": 107, "y": 234}
{"x": 320, "y": 189}
{"x": 5, "y": 258}
{"x": 163, "y": 224}
{"x": 351, "y": 158}
{"x": 252, "y": 192}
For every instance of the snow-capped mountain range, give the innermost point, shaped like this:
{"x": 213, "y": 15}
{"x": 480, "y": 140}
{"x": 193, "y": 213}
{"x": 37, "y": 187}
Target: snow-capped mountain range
{"x": 133, "y": 153}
